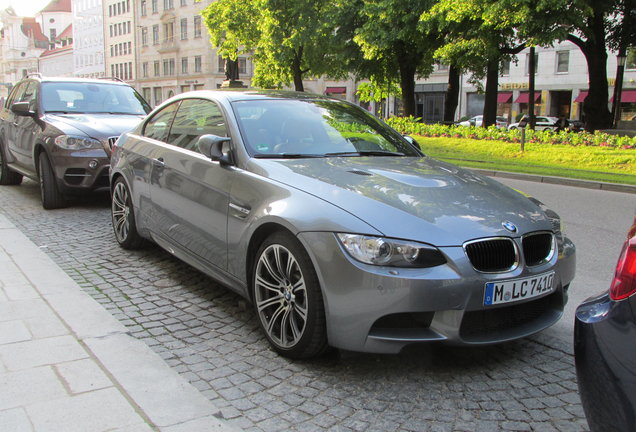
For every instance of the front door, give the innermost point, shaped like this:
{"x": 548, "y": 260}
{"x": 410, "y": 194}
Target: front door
{"x": 190, "y": 192}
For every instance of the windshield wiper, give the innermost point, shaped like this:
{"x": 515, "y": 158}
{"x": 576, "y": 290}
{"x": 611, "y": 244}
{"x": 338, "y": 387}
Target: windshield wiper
{"x": 287, "y": 156}
{"x": 366, "y": 153}
{"x": 56, "y": 112}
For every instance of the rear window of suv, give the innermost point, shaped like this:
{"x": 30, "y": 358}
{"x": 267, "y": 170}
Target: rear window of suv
{"x": 93, "y": 98}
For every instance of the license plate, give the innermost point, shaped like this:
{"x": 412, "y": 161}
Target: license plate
{"x": 518, "y": 289}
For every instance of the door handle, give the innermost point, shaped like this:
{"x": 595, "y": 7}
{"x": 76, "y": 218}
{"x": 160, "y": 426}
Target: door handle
{"x": 159, "y": 162}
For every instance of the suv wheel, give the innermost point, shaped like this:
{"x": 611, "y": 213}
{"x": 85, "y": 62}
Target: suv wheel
{"x": 7, "y": 177}
{"x": 52, "y": 198}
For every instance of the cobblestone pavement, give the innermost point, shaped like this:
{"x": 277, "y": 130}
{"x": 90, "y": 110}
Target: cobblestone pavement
{"x": 211, "y": 337}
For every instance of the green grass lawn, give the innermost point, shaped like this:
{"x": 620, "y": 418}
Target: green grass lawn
{"x": 604, "y": 164}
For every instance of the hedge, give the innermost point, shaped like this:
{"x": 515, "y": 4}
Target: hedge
{"x": 412, "y": 125}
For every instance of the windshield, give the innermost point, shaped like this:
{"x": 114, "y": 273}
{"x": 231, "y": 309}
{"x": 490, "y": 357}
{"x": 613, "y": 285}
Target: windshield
{"x": 85, "y": 97}
{"x": 315, "y": 128}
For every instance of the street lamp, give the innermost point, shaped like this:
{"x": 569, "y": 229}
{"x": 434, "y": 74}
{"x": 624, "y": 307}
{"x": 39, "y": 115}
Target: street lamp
{"x": 621, "y": 58}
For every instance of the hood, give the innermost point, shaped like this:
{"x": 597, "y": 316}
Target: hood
{"x": 412, "y": 198}
{"x": 99, "y": 126}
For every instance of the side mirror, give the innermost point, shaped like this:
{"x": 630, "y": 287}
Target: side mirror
{"x": 212, "y": 147}
{"x": 412, "y": 141}
{"x": 22, "y": 109}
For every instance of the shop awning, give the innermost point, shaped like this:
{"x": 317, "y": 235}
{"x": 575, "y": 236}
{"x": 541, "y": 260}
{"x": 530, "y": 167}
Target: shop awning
{"x": 504, "y": 97}
{"x": 524, "y": 97}
{"x": 628, "y": 96}
{"x": 581, "y": 97}
{"x": 336, "y": 90}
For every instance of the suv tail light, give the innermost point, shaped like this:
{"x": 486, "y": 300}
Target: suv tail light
{"x": 624, "y": 283}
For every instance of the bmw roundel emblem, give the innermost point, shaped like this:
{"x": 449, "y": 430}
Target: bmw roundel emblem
{"x": 509, "y": 226}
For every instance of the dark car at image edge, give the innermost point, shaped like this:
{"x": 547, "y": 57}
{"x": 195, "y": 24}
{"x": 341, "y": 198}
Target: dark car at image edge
{"x": 60, "y": 131}
{"x": 605, "y": 349}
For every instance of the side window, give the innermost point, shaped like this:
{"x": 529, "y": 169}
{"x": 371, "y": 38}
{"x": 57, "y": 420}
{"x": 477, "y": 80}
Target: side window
{"x": 196, "y": 117}
{"x": 30, "y": 95}
{"x": 16, "y": 93}
{"x": 159, "y": 125}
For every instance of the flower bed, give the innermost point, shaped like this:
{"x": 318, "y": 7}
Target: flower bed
{"x": 411, "y": 125}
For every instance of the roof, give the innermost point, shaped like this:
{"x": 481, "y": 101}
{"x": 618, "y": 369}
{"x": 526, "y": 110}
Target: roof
{"x": 31, "y": 28}
{"x": 58, "y": 6}
{"x": 238, "y": 94}
{"x": 106, "y": 81}
{"x": 60, "y": 50}
{"x": 66, "y": 34}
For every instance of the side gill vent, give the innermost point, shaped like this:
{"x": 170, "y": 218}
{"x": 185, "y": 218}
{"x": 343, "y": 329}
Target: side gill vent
{"x": 360, "y": 172}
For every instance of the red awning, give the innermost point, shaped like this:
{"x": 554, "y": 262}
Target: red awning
{"x": 336, "y": 90}
{"x": 504, "y": 97}
{"x": 628, "y": 96}
{"x": 524, "y": 97}
{"x": 581, "y": 97}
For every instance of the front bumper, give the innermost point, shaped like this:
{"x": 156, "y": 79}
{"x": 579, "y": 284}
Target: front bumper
{"x": 605, "y": 356}
{"x": 382, "y": 309}
{"x": 80, "y": 171}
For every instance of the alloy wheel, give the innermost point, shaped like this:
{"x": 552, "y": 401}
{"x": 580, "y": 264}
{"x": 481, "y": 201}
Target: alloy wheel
{"x": 121, "y": 212}
{"x": 281, "y": 296}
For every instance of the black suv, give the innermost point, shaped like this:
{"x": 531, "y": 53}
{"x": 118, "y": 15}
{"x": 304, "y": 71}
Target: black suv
{"x": 60, "y": 131}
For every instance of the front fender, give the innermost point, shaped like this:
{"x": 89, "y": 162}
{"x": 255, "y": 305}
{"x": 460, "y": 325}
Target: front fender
{"x": 258, "y": 203}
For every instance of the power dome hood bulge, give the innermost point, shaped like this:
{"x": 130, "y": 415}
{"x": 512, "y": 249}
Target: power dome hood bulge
{"x": 411, "y": 197}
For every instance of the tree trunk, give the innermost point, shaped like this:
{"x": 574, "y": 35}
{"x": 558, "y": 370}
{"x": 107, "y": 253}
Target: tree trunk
{"x": 407, "y": 84}
{"x": 407, "y": 65}
{"x": 532, "y": 69}
{"x": 297, "y": 71}
{"x": 452, "y": 94}
{"x": 492, "y": 86}
{"x": 595, "y": 107}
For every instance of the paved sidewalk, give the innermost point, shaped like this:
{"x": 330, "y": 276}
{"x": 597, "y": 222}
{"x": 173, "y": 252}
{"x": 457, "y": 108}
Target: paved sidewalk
{"x": 67, "y": 365}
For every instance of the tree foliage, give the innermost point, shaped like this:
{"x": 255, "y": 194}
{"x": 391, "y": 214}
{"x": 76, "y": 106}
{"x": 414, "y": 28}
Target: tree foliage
{"x": 396, "y": 46}
{"x": 288, "y": 40}
{"x": 394, "y": 42}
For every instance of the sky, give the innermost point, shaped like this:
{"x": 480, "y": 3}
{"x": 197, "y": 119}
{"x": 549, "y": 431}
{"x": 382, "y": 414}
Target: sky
{"x": 25, "y": 7}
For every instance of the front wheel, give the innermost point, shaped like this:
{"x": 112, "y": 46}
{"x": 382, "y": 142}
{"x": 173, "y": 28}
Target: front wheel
{"x": 287, "y": 298}
{"x": 123, "y": 217}
{"x": 7, "y": 177}
{"x": 52, "y": 198}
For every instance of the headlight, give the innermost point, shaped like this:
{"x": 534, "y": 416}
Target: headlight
{"x": 70, "y": 142}
{"x": 390, "y": 252}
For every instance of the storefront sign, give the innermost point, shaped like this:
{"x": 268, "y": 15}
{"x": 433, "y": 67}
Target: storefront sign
{"x": 513, "y": 86}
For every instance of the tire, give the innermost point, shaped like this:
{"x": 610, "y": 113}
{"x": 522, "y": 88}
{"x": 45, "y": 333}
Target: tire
{"x": 52, "y": 198}
{"x": 287, "y": 298}
{"x": 123, "y": 217}
{"x": 7, "y": 177}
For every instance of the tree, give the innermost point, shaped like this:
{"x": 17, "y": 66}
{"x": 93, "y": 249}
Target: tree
{"x": 288, "y": 40}
{"x": 396, "y": 44}
{"x": 480, "y": 34}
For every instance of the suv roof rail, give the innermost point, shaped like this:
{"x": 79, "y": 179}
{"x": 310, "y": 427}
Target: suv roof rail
{"x": 35, "y": 74}
{"x": 112, "y": 79}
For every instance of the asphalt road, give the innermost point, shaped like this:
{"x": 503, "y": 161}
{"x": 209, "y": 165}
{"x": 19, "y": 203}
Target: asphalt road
{"x": 597, "y": 222}
{"x": 211, "y": 337}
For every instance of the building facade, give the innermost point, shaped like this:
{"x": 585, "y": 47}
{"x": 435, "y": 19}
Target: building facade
{"x": 174, "y": 52}
{"x": 119, "y": 39}
{"x": 21, "y": 43}
{"x": 54, "y": 19}
{"x": 88, "y": 38}
{"x": 561, "y": 85}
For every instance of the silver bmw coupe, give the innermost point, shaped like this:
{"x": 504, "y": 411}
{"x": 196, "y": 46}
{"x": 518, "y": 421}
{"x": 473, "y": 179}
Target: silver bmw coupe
{"x": 338, "y": 230}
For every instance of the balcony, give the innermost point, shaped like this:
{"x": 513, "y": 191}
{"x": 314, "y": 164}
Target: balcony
{"x": 168, "y": 45}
